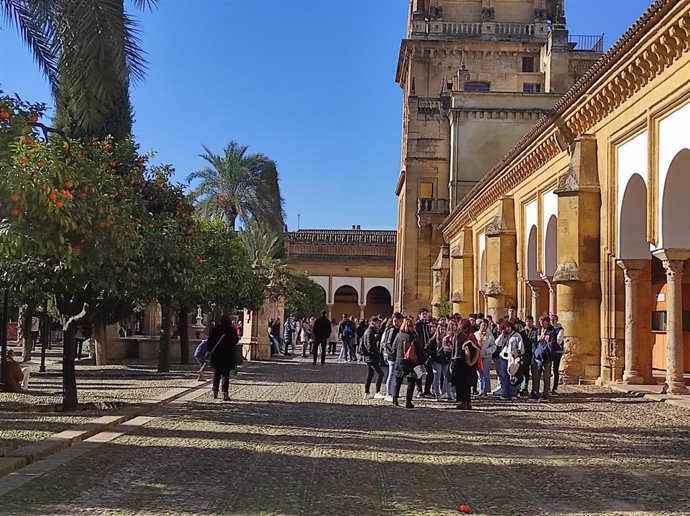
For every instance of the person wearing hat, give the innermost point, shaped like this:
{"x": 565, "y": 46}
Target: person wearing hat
{"x": 369, "y": 349}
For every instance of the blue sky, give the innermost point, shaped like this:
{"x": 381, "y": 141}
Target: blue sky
{"x": 310, "y": 83}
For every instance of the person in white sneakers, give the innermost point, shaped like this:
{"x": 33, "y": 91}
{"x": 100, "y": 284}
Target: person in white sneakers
{"x": 369, "y": 349}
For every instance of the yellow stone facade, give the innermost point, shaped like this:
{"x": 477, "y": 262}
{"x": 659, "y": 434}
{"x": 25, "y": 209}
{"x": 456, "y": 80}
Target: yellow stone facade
{"x": 587, "y": 216}
{"x": 476, "y": 75}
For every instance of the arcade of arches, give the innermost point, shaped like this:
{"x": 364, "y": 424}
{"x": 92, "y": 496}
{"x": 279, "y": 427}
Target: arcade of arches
{"x": 355, "y": 268}
{"x": 588, "y": 216}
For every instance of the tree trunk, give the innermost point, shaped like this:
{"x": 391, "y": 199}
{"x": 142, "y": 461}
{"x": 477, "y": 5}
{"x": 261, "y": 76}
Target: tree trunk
{"x": 183, "y": 332}
{"x": 164, "y": 345}
{"x": 100, "y": 334}
{"x": 26, "y": 314}
{"x": 69, "y": 380}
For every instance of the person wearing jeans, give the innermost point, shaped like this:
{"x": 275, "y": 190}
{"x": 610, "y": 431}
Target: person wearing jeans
{"x": 389, "y": 353}
{"x": 510, "y": 343}
{"x": 372, "y": 357}
{"x": 441, "y": 386}
{"x": 321, "y": 331}
{"x": 558, "y": 353}
{"x": 488, "y": 346}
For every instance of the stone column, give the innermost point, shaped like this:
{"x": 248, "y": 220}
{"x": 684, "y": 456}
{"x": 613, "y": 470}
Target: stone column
{"x": 329, "y": 308}
{"x": 501, "y": 260}
{"x": 462, "y": 274}
{"x": 551, "y": 288}
{"x": 674, "y": 261}
{"x": 361, "y": 311}
{"x": 536, "y": 290}
{"x": 577, "y": 276}
{"x": 632, "y": 269}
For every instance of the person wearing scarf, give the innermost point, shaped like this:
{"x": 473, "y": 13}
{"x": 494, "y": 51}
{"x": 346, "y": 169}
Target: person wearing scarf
{"x": 510, "y": 344}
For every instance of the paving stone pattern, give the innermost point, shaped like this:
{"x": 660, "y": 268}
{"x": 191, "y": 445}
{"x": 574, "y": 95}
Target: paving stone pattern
{"x": 299, "y": 439}
{"x": 113, "y": 385}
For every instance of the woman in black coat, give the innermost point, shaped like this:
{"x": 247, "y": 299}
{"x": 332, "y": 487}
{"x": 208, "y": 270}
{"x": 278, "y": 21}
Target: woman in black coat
{"x": 403, "y": 366}
{"x": 222, "y": 343}
{"x": 466, "y": 351}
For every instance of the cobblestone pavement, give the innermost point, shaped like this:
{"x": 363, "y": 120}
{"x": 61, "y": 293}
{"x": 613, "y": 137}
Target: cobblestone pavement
{"x": 111, "y": 386}
{"x": 299, "y": 439}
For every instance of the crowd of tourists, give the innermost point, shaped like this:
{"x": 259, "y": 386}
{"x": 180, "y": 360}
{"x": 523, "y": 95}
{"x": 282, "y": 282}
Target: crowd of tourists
{"x": 445, "y": 358}
{"x": 450, "y": 358}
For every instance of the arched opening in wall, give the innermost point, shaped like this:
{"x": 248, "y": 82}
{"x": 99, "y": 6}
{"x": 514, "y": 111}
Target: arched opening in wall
{"x": 345, "y": 301}
{"x": 632, "y": 227}
{"x": 675, "y": 214}
{"x": 481, "y": 299}
{"x": 551, "y": 247}
{"x": 378, "y": 302}
{"x": 539, "y": 304}
{"x": 675, "y": 203}
{"x": 633, "y": 249}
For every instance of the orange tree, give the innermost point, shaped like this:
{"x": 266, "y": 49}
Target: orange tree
{"x": 71, "y": 214}
{"x": 169, "y": 261}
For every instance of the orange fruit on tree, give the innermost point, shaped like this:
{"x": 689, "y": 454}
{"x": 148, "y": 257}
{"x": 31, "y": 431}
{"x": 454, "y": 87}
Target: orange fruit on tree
{"x": 41, "y": 164}
{"x": 4, "y": 115}
{"x": 107, "y": 147}
{"x": 69, "y": 184}
{"x": 23, "y": 160}
{"x": 14, "y": 198}
{"x": 27, "y": 140}
{"x": 33, "y": 119}
{"x": 101, "y": 225}
{"x": 59, "y": 204}
{"x": 15, "y": 212}
{"x": 52, "y": 196}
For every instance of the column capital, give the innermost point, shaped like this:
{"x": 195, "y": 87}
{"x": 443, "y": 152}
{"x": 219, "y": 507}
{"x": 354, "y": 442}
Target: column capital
{"x": 632, "y": 270}
{"x": 673, "y": 260}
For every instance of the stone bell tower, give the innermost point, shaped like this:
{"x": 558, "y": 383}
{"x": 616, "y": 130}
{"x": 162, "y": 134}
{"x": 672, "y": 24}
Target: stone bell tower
{"x": 475, "y": 75}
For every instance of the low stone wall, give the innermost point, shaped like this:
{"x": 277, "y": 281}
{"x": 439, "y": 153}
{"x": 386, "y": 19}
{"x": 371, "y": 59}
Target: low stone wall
{"x": 145, "y": 348}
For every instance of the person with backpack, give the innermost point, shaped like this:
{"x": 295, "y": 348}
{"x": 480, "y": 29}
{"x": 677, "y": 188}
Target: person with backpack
{"x": 543, "y": 354}
{"x": 222, "y": 343}
{"x": 369, "y": 350}
{"x": 346, "y": 331}
{"x": 409, "y": 354}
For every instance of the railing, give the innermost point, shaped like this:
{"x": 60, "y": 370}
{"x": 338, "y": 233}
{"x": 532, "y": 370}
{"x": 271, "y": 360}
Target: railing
{"x": 486, "y": 29}
{"x": 462, "y": 28}
{"x": 587, "y": 43}
{"x": 432, "y": 206}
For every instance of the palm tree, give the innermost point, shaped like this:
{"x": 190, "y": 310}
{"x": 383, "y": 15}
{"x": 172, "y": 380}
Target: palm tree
{"x": 239, "y": 184}
{"x": 261, "y": 243}
{"x": 89, "y": 51}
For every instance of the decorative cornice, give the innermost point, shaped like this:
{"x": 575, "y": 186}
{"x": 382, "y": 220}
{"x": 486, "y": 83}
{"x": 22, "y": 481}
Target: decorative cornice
{"x": 343, "y": 236}
{"x": 629, "y": 66}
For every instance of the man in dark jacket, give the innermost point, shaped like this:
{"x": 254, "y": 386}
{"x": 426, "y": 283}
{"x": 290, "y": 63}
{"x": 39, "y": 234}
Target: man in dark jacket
{"x": 222, "y": 343}
{"x": 369, "y": 348}
{"x": 424, "y": 333}
{"x": 321, "y": 330}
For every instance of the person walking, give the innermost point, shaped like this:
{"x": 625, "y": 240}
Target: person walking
{"x": 487, "y": 344}
{"x": 387, "y": 341}
{"x": 369, "y": 349}
{"x": 543, "y": 354}
{"x": 359, "y": 332}
{"x": 409, "y": 354}
{"x": 200, "y": 357}
{"x": 321, "y": 332}
{"x": 222, "y": 343}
